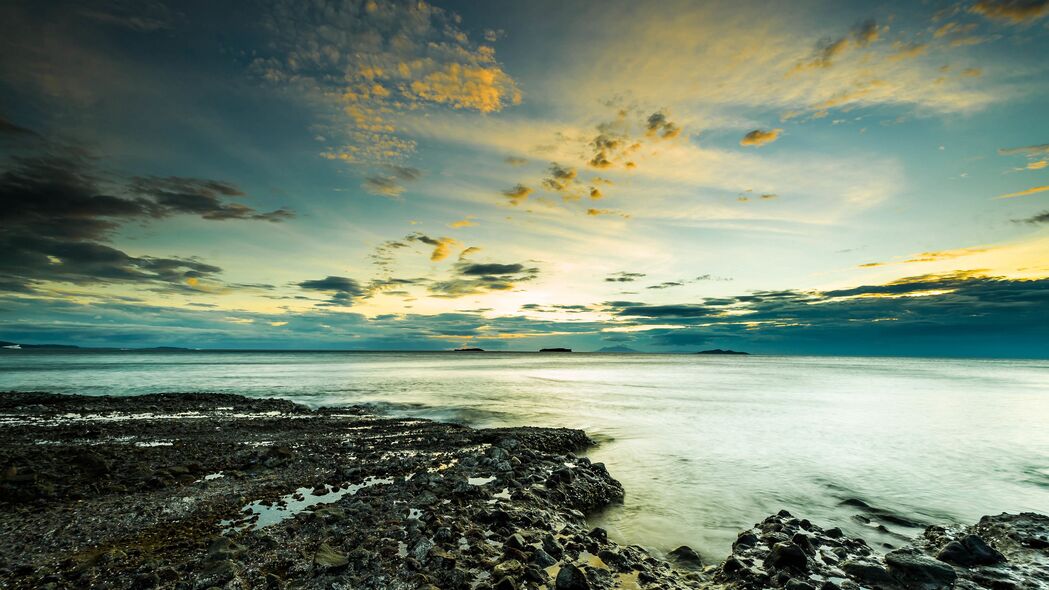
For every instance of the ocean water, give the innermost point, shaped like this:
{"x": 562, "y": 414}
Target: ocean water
{"x": 704, "y": 445}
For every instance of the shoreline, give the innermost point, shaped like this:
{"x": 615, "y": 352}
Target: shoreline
{"x": 201, "y": 490}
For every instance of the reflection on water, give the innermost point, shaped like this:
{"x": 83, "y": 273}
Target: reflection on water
{"x": 705, "y": 446}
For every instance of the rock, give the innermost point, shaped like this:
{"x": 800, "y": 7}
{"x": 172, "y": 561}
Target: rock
{"x": 916, "y": 570}
{"x": 542, "y": 558}
{"x": 745, "y": 539}
{"x": 506, "y": 583}
{"x": 329, "y": 558}
{"x": 867, "y": 573}
{"x": 510, "y": 567}
{"x": 516, "y": 541}
{"x": 834, "y": 533}
{"x": 788, "y": 555}
{"x": 687, "y": 557}
{"x": 970, "y": 551}
{"x": 796, "y": 584}
{"x": 571, "y": 578}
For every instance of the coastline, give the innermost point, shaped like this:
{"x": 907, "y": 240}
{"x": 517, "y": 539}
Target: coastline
{"x": 187, "y": 490}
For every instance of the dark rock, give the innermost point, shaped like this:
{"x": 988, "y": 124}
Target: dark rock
{"x": 543, "y": 559}
{"x": 796, "y": 584}
{"x": 687, "y": 557}
{"x": 788, "y": 555}
{"x": 571, "y": 578}
{"x": 970, "y": 551}
{"x": 867, "y": 573}
{"x": 916, "y": 570}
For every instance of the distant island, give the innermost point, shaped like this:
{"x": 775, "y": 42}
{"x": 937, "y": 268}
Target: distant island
{"x": 469, "y": 350}
{"x": 555, "y": 350}
{"x": 616, "y": 349}
{"x": 720, "y": 351}
{"x": 17, "y": 346}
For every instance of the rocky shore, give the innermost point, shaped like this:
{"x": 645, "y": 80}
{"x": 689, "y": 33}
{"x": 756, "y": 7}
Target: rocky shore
{"x": 196, "y": 491}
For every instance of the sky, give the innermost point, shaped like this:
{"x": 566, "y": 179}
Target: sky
{"x": 836, "y": 178}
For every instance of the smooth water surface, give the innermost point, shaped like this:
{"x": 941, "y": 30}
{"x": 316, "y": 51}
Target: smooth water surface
{"x": 704, "y": 445}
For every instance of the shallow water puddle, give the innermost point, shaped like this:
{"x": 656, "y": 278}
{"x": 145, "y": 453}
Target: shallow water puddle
{"x": 268, "y": 514}
{"x": 480, "y": 481}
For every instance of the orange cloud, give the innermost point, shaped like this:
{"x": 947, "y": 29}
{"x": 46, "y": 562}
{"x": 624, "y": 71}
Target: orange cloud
{"x": 517, "y": 194}
{"x": 760, "y": 137}
{"x": 1025, "y": 192}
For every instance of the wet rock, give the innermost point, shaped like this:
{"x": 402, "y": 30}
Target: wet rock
{"x": 915, "y": 570}
{"x": 867, "y": 572}
{"x": 571, "y": 577}
{"x": 970, "y": 551}
{"x": 687, "y": 557}
{"x": 788, "y": 555}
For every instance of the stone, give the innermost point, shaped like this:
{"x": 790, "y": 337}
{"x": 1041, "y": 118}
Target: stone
{"x": 915, "y": 570}
{"x": 571, "y": 578}
{"x": 796, "y": 584}
{"x": 970, "y": 551}
{"x": 687, "y": 557}
{"x": 509, "y": 567}
{"x": 788, "y": 555}
{"x": 867, "y": 573}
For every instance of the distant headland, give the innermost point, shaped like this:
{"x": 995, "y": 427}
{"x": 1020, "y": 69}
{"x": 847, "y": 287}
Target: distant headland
{"x": 555, "y": 350}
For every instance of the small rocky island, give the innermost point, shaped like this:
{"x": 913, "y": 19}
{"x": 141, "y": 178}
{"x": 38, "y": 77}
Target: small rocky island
{"x": 469, "y": 350}
{"x": 555, "y": 350}
{"x": 201, "y": 491}
{"x": 721, "y": 351}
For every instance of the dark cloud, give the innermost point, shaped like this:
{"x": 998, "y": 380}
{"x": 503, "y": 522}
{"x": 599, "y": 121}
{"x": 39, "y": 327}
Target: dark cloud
{"x": 866, "y": 32}
{"x": 517, "y": 194}
{"x": 1037, "y": 218}
{"x": 666, "y": 285}
{"x": 624, "y": 277}
{"x": 343, "y": 290}
{"x": 383, "y": 186}
{"x": 490, "y": 269}
{"x": 658, "y": 125}
{"x": 477, "y": 278}
{"x": 7, "y": 128}
{"x": 176, "y": 195}
{"x": 58, "y": 213}
{"x": 561, "y": 179}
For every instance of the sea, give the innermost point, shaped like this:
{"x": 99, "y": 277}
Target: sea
{"x": 705, "y": 445}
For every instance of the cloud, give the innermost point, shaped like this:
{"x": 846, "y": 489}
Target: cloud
{"x": 624, "y": 277}
{"x": 7, "y": 128}
{"x": 1025, "y": 192}
{"x": 1033, "y": 151}
{"x": 383, "y": 186}
{"x": 659, "y": 126}
{"x": 562, "y": 180}
{"x": 343, "y": 290}
{"x": 666, "y": 285}
{"x": 515, "y": 161}
{"x": 468, "y": 252}
{"x": 517, "y": 194}
{"x": 58, "y": 213}
{"x": 1011, "y": 11}
{"x": 462, "y": 223}
{"x": 1036, "y": 219}
{"x": 442, "y": 247}
{"x": 174, "y": 195}
{"x": 480, "y": 278}
{"x": 760, "y": 137}
{"x": 367, "y": 65}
